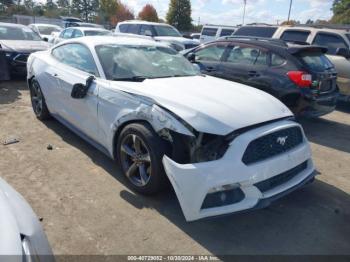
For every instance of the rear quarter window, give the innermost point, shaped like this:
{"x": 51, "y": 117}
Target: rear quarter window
{"x": 295, "y": 35}
{"x": 316, "y": 61}
{"x": 209, "y": 31}
{"x": 123, "y": 28}
{"x": 256, "y": 31}
{"x": 225, "y": 32}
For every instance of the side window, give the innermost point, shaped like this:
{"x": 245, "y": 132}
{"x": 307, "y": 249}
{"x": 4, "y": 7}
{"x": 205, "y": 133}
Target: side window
{"x": 67, "y": 33}
{"x": 77, "y": 33}
{"x": 295, "y": 35}
{"x": 77, "y": 56}
{"x": 277, "y": 60}
{"x": 258, "y": 31}
{"x": 123, "y": 28}
{"x": 133, "y": 29}
{"x": 211, "y": 53}
{"x": 225, "y": 32}
{"x": 209, "y": 31}
{"x": 331, "y": 41}
{"x": 247, "y": 56}
{"x": 145, "y": 28}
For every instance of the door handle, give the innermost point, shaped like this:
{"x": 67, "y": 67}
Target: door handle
{"x": 55, "y": 75}
{"x": 253, "y": 74}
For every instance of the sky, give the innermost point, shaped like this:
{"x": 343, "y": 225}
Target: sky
{"x": 230, "y": 12}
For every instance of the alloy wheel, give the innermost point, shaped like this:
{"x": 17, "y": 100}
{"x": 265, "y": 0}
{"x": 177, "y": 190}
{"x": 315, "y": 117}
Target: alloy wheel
{"x": 136, "y": 160}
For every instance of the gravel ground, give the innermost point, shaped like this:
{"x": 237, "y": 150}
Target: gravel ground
{"x": 87, "y": 207}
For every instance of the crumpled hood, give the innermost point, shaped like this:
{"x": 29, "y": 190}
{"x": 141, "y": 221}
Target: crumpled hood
{"x": 210, "y": 104}
{"x": 23, "y": 46}
{"x": 182, "y": 40}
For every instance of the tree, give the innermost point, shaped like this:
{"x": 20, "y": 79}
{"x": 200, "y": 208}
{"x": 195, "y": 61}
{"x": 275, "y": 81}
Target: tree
{"x": 123, "y": 13}
{"x": 86, "y": 8}
{"x": 108, "y": 9}
{"x": 341, "y": 12}
{"x": 179, "y": 14}
{"x": 148, "y": 13}
{"x": 290, "y": 22}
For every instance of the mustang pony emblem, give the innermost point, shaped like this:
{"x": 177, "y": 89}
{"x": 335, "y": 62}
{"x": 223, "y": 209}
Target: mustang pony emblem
{"x": 282, "y": 140}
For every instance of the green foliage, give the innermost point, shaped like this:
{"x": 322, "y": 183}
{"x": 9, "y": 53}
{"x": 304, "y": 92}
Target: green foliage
{"x": 107, "y": 10}
{"x": 341, "y": 12}
{"x": 86, "y": 8}
{"x": 179, "y": 14}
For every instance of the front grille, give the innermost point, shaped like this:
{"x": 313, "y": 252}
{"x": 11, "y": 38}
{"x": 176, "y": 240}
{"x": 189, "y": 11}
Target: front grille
{"x": 21, "y": 58}
{"x": 280, "y": 179}
{"x": 272, "y": 144}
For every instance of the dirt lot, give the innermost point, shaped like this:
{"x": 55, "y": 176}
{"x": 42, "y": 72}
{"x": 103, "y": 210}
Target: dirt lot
{"x": 88, "y": 209}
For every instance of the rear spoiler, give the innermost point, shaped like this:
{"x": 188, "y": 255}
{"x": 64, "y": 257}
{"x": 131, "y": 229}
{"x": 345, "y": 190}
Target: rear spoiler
{"x": 311, "y": 48}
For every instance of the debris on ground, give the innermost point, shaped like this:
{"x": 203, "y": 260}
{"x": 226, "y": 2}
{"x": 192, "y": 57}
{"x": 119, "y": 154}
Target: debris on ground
{"x": 49, "y": 147}
{"x": 10, "y": 141}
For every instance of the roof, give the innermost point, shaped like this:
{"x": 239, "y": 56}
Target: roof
{"x": 82, "y": 28}
{"x": 93, "y": 41}
{"x": 46, "y": 25}
{"x": 142, "y": 22}
{"x": 13, "y": 25}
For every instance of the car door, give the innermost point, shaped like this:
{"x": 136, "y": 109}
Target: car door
{"x": 208, "y": 58}
{"x": 75, "y": 65}
{"x": 245, "y": 64}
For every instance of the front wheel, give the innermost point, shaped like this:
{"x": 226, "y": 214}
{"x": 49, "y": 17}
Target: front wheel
{"x": 38, "y": 101}
{"x": 140, "y": 153}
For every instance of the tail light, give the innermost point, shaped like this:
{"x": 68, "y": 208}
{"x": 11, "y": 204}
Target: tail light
{"x": 300, "y": 78}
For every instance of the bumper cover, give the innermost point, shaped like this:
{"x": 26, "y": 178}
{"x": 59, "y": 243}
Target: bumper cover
{"x": 321, "y": 106}
{"x": 192, "y": 182}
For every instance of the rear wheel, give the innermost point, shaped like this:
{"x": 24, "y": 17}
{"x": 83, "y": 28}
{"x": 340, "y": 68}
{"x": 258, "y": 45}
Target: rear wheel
{"x": 38, "y": 101}
{"x": 140, "y": 153}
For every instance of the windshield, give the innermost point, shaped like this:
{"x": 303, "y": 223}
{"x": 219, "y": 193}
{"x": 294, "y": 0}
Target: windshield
{"x": 121, "y": 62}
{"x": 316, "y": 61}
{"x": 163, "y": 30}
{"x": 18, "y": 33}
{"x": 47, "y": 30}
{"x": 97, "y": 32}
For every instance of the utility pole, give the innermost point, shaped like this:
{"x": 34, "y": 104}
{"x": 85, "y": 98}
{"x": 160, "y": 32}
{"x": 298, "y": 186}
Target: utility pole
{"x": 290, "y": 8}
{"x": 245, "y": 3}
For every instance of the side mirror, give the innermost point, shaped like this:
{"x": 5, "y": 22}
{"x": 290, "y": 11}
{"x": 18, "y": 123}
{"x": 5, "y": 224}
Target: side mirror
{"x": 148, "y": 33}
{"x": 80, "y": 90}
{"x": 191, "y": 57}
{"x": 45, "y": 39}
{"x": 343, "y": 52}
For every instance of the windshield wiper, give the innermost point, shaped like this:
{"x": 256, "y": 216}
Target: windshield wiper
{"x": 132, "y": 79}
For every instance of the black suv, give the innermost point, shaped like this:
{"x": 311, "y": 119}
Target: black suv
{"x": 300, "y": 76}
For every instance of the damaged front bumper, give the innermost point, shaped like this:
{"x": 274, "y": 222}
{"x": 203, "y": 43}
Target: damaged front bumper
{"x": 228, "y": 185}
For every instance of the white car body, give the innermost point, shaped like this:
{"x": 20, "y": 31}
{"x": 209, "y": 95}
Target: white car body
{"x": 82, "y": 32}
{"x": 45, "y": 37}
{"x": 208, "y": 105}
{"x": 214, "y": 32}
{"x": 179, "y": 42}
{"x": 21, "y": 233}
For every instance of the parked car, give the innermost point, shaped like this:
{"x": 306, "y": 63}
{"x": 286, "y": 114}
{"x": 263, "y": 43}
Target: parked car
{"x": 336, "y": 40}
{"x": 4, "y": 71}
{"x": 160, "y": 32}
{"x": 195, "y": 36}
{"x": 83, "y": 24}
{"x": 213, "y": 32}
{"x": 22, "y": 237}
{"x": 17, "y": 42}
{"x": 300, "y": 76}
{"x": 146, "y": 106}
{"x": 75, "y": 32}
{"x": 45, "y": 30}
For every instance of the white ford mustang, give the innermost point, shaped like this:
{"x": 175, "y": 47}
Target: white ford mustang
{"x": 225, "y": 147}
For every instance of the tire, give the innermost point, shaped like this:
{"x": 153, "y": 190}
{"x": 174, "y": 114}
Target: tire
{"x": 146, "y": 175}
{"x": 38, "y": 101}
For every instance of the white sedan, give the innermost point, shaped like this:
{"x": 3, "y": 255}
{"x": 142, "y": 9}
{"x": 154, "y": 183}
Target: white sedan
{"x": 224, "y": 147}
